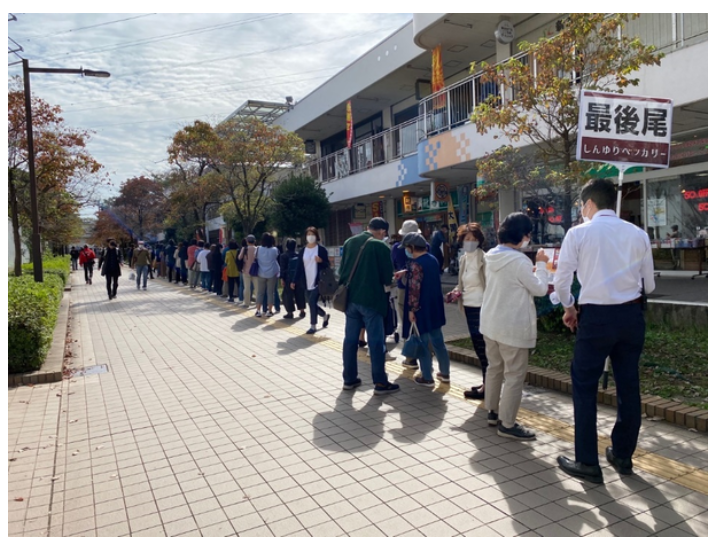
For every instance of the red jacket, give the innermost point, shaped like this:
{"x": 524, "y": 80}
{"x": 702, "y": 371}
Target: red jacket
{"x": 87, "y": 255}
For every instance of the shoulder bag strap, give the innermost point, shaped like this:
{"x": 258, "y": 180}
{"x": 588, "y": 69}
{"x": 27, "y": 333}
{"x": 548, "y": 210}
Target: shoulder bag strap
{"x": 353, "y": 269}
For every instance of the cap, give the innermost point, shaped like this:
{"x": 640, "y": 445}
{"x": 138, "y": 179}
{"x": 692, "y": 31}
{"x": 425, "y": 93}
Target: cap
{"x": 250, "y": 239}
{"x": 378, "y": 223}
{"x": 413, "y": 239}
{"x": 409, "y": 226}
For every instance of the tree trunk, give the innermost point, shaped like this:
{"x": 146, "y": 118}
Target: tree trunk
{"x": 16, "y": 230}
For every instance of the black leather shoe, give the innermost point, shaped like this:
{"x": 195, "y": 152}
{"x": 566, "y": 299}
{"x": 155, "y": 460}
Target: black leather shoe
{"x": 621, "y": 465}
{"x": 591, "y": 473}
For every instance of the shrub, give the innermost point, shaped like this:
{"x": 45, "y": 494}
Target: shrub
{"x": 58, "y": 265}
{"x": 32, "y": 313}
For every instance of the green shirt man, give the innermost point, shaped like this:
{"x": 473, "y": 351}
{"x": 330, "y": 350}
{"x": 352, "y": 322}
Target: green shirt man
{"x": 373, "y": 273}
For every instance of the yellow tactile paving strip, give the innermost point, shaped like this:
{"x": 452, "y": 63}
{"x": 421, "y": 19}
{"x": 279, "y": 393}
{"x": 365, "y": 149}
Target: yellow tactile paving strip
{"x": 679, "y": 473}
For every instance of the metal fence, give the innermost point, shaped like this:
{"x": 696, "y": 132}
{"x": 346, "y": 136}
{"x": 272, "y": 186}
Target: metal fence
{"x": 390, "y": 145}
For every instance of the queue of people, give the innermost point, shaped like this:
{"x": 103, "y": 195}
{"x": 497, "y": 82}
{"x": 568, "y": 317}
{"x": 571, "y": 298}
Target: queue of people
{"x": 495, "y": 292}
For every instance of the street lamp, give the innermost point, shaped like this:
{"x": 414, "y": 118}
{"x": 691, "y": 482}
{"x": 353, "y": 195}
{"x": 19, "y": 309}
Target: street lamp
{"x": 26, "y": 71}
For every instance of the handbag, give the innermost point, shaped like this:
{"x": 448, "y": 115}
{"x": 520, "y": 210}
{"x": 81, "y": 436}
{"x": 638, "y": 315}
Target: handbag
{"x": 254, "y": 268}
{"x": 341, "y": 296}
{"x": 413, "y": 347}
{"x": 196, "y": 267}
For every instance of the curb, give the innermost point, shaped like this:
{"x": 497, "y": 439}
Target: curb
{"x": 653, "y": 406}
{"x": 51, "y": 369}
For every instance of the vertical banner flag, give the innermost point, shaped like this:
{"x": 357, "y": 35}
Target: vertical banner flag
{"x": 437, "y": 77}
{"x": 349, "y": 125}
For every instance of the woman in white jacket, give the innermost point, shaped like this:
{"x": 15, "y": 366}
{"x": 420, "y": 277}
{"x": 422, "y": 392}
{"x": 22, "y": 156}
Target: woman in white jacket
{"x": 469, "y": 293}
{"x": 508, "y": 321}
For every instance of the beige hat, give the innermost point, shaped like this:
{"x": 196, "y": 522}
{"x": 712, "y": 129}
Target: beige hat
{"x": 409, "y": 226}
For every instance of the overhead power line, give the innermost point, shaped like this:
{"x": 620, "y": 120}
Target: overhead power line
{"x": 38, "y": 37}
{"x": 164, "y": 37}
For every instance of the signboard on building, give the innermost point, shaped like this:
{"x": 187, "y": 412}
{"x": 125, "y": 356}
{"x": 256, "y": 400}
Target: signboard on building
{"x": 657, "y": 212}
{"x": 360, "y": 211}
{"x": 377, "y": 209}
{"x": 624, "y": 130}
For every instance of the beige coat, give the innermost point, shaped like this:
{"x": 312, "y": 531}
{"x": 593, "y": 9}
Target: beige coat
{"x": 478, "y": 256}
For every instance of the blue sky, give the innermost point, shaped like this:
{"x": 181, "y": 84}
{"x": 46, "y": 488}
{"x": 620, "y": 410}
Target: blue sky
{"x": 171, "y": 69}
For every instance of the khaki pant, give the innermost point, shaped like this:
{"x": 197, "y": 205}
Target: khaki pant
{"x": 507, "y": 367}
{"x": 248, "y": 280}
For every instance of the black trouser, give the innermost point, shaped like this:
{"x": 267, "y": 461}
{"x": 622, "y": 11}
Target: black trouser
{"x": 618, "y": 332}
{"x": 170, "y": 271}
{"x": 473, "y": 319}
{"x": 232, "y": 282}
{"x": 293, "y": 298}
{"x": 88, "y": 270}
{"x": 112, "y": 282}
{"x": 218, "y": 283}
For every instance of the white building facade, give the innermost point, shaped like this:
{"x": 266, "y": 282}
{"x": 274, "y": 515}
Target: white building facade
{"x": 400, "y": 146}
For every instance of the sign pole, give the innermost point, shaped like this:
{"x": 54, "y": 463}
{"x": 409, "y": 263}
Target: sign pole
{"x": 622, "y": 168}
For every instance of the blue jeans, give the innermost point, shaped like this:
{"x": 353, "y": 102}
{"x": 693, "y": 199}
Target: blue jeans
{"x": 206, "y": 280}
{"x": 312, "y": 297}
{"x": 142, "y": 271}
{"x": 425, "y": 360}
{"x": 357, "y": 318}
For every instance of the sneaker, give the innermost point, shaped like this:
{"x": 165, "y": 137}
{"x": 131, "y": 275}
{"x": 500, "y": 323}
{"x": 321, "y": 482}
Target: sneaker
{"x": 476, "y": 392}
{"x": 493, "y": 418}
{"x": 353, "y": 385}
{"x": 302, "y": 314}
{"x": 443, "y": 379}
{"x": 269, "y": 314}
{"x": 410, "y": 364}
{"x": 289, "y": 316}
{"x": 362, "y": 343}
{"x": 230, "y": 300}
{"x": 257, "y": 314}
{"x": 421, "y": 381}
{"x": 312, "y": 330}
{"x": 516, "y": 432}
{"x": 389, "y": 357}
{"x": 384, "y": 389}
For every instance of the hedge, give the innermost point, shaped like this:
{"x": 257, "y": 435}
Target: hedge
{"x": 32, "y": 314}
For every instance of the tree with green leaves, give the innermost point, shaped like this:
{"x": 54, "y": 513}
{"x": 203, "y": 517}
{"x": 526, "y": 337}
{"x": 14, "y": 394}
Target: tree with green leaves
{"x": 540, "y": 106}
{"x": 297, "y": 203}
{"x": 249, "y": 159}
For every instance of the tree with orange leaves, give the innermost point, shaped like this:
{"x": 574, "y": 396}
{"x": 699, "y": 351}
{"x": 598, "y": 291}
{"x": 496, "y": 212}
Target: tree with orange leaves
{"x": 67, "y": 176}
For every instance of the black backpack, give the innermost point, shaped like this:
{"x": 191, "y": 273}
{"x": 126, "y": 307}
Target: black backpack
{"x": 292, "y": 267}
{"x": 327, "y": 282}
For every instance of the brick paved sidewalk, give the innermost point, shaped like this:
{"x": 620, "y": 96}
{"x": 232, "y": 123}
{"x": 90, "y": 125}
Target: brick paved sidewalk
{"x": 210, "y": 422}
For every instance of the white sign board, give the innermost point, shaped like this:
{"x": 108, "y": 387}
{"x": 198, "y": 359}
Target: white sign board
{"x": 624, "y": 130}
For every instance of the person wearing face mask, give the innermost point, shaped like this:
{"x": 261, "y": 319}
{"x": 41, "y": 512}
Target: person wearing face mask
{"x": 424, "y": 309}
{"x": 508, "y": 321}
{"x": 469, "y": 294}
{"x": 613, "y": 259}
{"x": 312, "y": 259}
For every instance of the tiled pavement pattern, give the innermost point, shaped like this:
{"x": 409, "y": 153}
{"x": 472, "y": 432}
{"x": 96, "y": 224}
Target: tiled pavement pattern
{"x": 211, "y": 422}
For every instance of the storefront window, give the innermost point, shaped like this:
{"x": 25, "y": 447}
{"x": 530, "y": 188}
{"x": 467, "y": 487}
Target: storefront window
{"x": 679, "y": 201}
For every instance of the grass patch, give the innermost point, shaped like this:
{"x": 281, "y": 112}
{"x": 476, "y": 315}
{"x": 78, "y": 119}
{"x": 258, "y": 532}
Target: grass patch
{"x": 673, "y": 364}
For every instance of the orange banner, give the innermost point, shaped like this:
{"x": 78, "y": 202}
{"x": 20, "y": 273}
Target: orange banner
{"x": 437, "y": 82}
{"x": 349, "y": 125}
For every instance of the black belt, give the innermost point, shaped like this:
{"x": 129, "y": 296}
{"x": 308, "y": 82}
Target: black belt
{"x": 637, "y": 300}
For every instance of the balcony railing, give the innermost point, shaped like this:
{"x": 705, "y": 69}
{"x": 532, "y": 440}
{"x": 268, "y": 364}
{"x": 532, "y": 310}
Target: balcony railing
{"x": 453, "y": 106}
{"x": 390, "y": 145}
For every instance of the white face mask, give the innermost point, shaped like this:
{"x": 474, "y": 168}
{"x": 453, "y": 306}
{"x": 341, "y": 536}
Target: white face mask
{"x": 470, "y": 246}
{"x": 524, "y": 244}
{"x": 311, "y": 239}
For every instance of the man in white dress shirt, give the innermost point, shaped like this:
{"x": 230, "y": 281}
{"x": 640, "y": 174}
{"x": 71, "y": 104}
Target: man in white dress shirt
{"x": 613, "y": 261}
